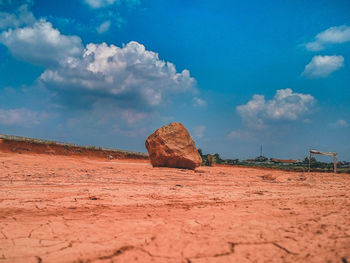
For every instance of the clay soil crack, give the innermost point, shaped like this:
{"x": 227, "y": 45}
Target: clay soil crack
{"x": 124, "y": 249}
{"x": 232, "y": 249}
{"x": 116, "y": 226}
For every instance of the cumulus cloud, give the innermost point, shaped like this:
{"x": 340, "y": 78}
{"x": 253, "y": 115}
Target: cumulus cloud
{"x": 42, "y": 44}
{"x": 333, "y": 35}
{"x": 198, "y": 102}
{"x": 198, "y": 131}
{"x": 251, "y": 112}
{"x": 129, "y": 73}
{"x": 21, "y": 117}
{"x": 18, "y": 17}
{"x": 285, "y": 105}
{"x": 339, "y": 124}
{"x": 132, "y": 79}
{"x": 323, "y": 66}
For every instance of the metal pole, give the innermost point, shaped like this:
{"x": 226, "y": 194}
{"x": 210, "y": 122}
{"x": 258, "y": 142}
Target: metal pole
{"x": 309, "y": 160}
{"x": 335, "y": 163}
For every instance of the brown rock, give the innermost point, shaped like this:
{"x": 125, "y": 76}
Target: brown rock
{"x": 172, "y": 146}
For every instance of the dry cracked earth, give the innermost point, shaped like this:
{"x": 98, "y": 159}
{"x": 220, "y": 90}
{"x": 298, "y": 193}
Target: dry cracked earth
{"x": 69, "y": 209}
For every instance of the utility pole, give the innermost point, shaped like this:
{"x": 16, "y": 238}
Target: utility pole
{"x": 261, "y": 150}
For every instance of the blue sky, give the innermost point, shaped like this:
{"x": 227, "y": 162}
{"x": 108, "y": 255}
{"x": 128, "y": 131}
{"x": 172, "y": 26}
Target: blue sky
{"x": 238, "y": 74}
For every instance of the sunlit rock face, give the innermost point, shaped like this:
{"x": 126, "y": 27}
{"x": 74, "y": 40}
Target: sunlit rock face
{"x": 172, "y": 146}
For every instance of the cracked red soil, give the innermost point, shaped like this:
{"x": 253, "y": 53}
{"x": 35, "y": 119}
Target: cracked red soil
{"x": 76, "y": 209}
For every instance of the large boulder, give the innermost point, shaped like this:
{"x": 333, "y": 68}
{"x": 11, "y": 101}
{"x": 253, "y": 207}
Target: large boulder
{"x": 172, "y": 146}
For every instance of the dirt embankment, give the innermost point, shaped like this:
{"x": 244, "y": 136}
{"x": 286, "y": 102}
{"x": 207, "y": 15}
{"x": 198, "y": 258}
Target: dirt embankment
{"x": 24, "y": 145}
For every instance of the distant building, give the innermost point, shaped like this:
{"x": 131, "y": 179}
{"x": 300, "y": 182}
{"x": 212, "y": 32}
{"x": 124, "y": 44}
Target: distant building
{"x": 259, "y": 159}
{"x": 344, "y": 164}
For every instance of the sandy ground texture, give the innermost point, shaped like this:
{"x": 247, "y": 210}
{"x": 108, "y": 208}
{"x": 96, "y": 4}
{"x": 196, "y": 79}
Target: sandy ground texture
{"x": 70, "y": 209}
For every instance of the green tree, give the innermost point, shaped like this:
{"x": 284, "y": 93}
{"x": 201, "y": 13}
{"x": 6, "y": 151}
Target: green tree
{"x": 218, "y": 158}
{"x": 313, "y": 160}
{"x": 200, "y": 152}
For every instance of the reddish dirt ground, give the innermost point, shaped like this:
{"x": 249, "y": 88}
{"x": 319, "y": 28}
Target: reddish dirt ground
{"x": 35, "y": 147}
{"x": 76, "y": 209}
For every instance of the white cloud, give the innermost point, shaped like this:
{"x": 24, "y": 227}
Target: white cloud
{"x": 104, "y": 27}
{"x": 288, "y": 105}
{"x": 198, "y": 131}
{"x": 132, "y": 116}
{"x": 99, "y": 3}
{"x": 333, "y": 35}
{"x": 323, "y": 66}
{"x": 339, "y": 124}
{"x": 131, "y": 78}
{"x": 285, "y": 105}
{"x": 198, "y": 102}
{"x": 130, "y": 73}
{"x": 250, "y": 112}
{"x": 41, "y": 44}
{"x": 21, "y": 117}
{"x": 109, "y": 13}
{"x": 19, "y": 17}
{"x": 104, "y": 3}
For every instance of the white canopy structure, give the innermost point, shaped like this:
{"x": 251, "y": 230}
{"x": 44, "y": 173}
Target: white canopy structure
{"x": 311, "y": 152}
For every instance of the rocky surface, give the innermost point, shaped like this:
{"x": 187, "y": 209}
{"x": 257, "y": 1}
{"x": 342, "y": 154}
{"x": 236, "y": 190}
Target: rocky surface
{"x": 172, "y": 146}
{"x": 70, "y": 209}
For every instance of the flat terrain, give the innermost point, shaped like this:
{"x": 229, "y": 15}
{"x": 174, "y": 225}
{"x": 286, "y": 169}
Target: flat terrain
{"x": 76, "y": 209}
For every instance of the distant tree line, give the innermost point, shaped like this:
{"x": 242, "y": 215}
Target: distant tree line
{"x": 323, "y": 165}
{"x": 210, "y": 159}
